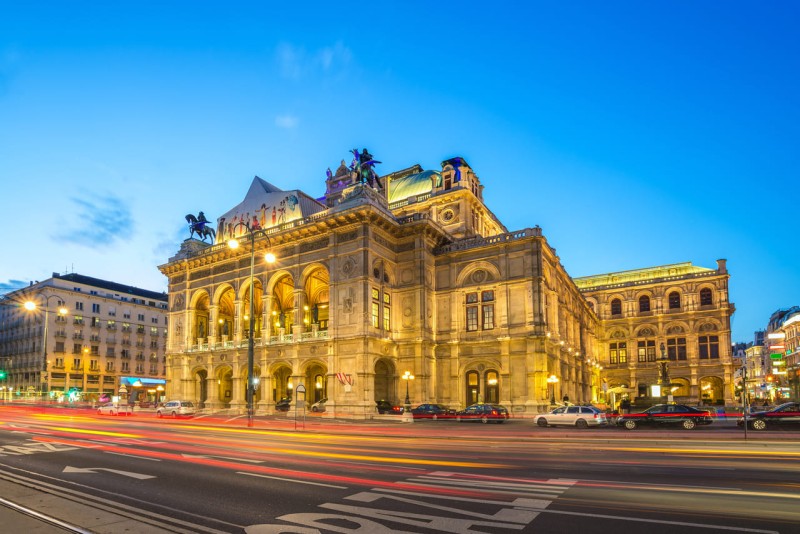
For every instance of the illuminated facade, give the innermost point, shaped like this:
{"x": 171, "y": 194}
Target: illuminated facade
{"x": 414, "y": 274}
{"x": 679, "y": 312}
{"x": 98, "y": 336}
{"x": 782, "y": 346}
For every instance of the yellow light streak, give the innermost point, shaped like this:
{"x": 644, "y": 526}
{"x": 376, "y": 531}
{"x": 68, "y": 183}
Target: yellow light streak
{"x": 96, "y": 432}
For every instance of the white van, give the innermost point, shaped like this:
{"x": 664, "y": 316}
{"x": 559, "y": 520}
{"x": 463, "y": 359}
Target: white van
{"x": 176, "y": 408}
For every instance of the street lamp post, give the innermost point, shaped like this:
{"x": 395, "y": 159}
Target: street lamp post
{"x": 269, "y": 258}
{"x": 663, "y": 374}
{"x": 407, "y": 376}
{"x": 552, "y": 380}
{"x": 31, "y": 306}
{"x": 408, "y": 417}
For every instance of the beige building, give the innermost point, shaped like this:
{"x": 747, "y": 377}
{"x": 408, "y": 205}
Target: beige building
{"x": 678, "y": 314}
{"x": 414, "y": 274}
{"x": 82, "y": 335}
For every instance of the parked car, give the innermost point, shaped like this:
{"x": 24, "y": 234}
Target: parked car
{"x": 483, "y": 413}
{"x": 111, "y": 408}
{"x": 663, "y": 415}
{"x": 319, "y": 406}
{"x": 283, "y": 405}
{"x": 785, "y": 415}
{"x": 433, "y": 411}
{"x": 176, "y": 408}
{"x": 577, "y": 416}
{"x": 386, "y": 407}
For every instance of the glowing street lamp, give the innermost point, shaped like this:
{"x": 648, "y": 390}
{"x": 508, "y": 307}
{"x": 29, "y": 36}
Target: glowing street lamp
{"x": 407, "y": 376}
{"x": 552, "y": 380}
{"x": 269, "y": 257}
{"x": 62, "y": 310}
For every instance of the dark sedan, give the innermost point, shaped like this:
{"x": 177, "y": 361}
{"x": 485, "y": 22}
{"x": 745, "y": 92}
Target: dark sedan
{"x": 483, "y": 413}
{"x": 283, "y": 405}
{"x": 787, "y": 414}
{"x": 386, "y": 407}
{"x": 666, "y": 415}
{"x": 432, "y": 411}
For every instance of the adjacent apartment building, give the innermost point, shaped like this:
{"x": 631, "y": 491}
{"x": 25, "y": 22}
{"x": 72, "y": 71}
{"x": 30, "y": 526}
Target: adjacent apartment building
{"x": 676, "y": 314}
{"x": 74, "y": 337}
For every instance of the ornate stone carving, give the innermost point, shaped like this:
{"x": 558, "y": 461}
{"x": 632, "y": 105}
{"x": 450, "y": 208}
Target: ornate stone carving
{"x": 349, "y": 267}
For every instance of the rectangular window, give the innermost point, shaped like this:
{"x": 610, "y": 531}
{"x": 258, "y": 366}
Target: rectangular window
{"x": 376, "y": 314}
{"x": 59, "y": 362}
{"x": 488, "y": 316}
{"x": 110, "y": 366}
{"x": 125, "y": 367}
{"x": 141, "y": 317}
{"x": 79, "y": 306}
{"x": 709, "y": 347}
{"x": 676, "y": 348}
{"x": 77, "y": 348}
{"x": 95, "y": 308}
{"x": 78, "y": 319}
{"x": 487, "y": 300}
{"x": 386, "y": 315}
{"x": 59, "y": 346}
{"x": 76, "y": 363}
{"x": 646, "y": 350}
{"x": 482, "y": 310}
{"x": 618, "y": 352}
{"x": 472, "y": 318}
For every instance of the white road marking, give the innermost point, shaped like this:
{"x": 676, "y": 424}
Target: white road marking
{"x": 291, "y": 480}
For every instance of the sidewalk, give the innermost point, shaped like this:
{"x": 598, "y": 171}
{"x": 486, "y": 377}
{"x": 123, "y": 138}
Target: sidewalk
{"x": 35, "y": 511}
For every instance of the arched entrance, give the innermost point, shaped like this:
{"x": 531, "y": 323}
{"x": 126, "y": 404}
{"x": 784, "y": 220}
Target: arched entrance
{"x": 711, "y": 390}
{"x": 200, "y": 393}
{"x": 316, "y": 383}
{"x": 385, "y": 381}
{"x": 282, "y": 383}
{"x": 225, "y": 386}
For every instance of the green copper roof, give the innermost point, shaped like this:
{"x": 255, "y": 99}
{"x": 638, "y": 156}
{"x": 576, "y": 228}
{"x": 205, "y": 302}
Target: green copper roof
{"x": 412, "y": 185}
{"x": 640, "y": 275}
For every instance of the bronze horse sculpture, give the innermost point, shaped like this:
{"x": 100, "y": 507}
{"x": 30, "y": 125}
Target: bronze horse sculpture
{"x": 200, "y": 227}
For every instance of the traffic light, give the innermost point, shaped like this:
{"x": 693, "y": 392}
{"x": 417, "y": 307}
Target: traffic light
{"x": 2, "y": 374}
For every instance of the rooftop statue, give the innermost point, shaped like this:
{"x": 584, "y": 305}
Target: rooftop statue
{"x": 199, "y": 225}
{"x": 363, "y": 165}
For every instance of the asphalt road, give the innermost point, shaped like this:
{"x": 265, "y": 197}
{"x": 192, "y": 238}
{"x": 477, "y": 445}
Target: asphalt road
{"x": 142, "y": 474}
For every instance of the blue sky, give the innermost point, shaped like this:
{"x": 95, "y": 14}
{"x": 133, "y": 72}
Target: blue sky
{"x": 634, "y": 133}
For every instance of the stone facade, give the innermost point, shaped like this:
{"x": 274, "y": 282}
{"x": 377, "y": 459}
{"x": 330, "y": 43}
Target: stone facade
{"x": 677, "y": 312}
{"x": 111, "y": 335}
{"x": 416, "y": 274}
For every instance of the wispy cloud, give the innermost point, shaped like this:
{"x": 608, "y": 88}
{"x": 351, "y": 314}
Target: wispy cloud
{"x": 12, "y": 285}
{"x": 296, "y": 62}
{"x": 288, "y": 122}
{"x": 101, "y": 221}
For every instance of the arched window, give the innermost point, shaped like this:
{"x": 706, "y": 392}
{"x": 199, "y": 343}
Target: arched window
{"x": 473, "y": 388}
{"x": 616, "y": 307}
{"x": 674, "y": 300}
{"x": 644, "y": 303}
{"x": 706, "y": 298}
